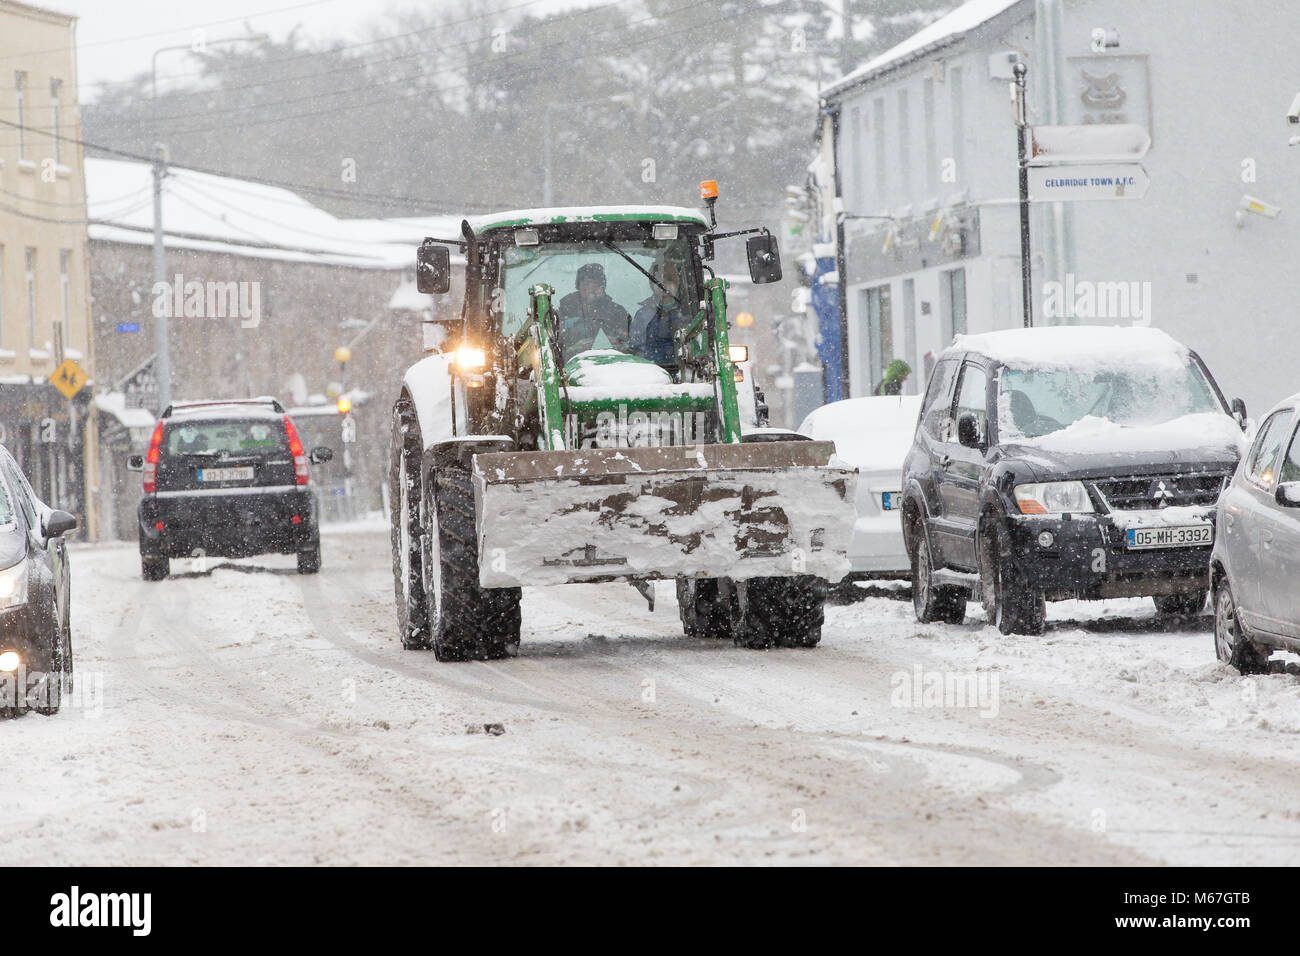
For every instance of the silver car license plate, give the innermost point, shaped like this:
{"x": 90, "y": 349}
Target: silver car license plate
{"x": 1179, "y": 536}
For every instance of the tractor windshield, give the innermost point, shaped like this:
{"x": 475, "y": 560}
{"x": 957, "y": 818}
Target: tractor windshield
{"x": 629, "y": 295}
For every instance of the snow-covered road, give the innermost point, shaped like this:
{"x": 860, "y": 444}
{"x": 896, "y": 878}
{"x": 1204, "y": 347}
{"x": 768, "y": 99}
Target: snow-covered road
{"x": 248, "y": 715}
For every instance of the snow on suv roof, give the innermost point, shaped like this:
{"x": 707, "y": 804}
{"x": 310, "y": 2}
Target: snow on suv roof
{"x": 1074, "y": 345}
{"x": 556, "y": 214}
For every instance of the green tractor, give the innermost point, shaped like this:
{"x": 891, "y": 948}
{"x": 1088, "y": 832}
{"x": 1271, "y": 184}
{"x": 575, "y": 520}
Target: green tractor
{"x": 587, "y": 420}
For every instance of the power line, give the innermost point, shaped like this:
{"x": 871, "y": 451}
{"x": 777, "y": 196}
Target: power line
{"x": 174, "y": 30}
{"x": 528, "y": 72}
{"x": 161, "y": 121}
{"x": 351, "y": 46}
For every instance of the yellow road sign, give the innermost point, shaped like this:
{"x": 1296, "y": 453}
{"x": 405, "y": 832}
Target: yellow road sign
{"x": 68, "y": 378}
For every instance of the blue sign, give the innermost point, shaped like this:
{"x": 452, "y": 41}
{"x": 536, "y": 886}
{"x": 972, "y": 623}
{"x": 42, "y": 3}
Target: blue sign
{"x": 128, "y": 326}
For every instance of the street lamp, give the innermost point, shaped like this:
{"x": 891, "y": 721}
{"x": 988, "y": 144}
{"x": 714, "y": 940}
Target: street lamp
{"x": 547, "y": 197}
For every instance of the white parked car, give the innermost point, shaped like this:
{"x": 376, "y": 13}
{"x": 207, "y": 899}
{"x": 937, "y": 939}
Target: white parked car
{"x": 872, "y": 434}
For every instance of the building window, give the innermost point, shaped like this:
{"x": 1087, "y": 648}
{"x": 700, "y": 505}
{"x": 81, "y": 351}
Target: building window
{"x": 909, "y": 335}
{"x": 931, "y": 145}
{"x": 952, "y": 292}
{"x": 856, "y": 189}
{"x": 56, "y": 112}
{"x": 65, "y": 293}
{"x": 882, "y": 164}
{"x": 20, "y": 92}
{"x": 875, "y": 304}
{"x": 958, "y": 121}
{"x": 904, "y": 145}
{"x": 31, "y": 296}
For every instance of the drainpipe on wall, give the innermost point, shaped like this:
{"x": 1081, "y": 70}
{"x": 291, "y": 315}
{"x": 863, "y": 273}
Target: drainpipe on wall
{"x": 842, "y": 295}
{"x": 1051, "y": 110}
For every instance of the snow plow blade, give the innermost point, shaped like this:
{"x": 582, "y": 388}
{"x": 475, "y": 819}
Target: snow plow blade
{"x": 766, "y": 509}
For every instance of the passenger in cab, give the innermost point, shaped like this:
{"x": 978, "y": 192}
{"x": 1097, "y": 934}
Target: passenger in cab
{"x": 659, "y": 318}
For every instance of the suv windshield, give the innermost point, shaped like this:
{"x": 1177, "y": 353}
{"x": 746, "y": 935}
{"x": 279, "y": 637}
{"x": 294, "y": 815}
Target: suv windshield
{"x": 605, "y": 297}
{"x": 1033, "y": 402}
{"x": 220, "y": 439}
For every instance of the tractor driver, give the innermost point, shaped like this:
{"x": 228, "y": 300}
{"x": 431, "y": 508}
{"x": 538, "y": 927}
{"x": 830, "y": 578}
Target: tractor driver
{"x": 589, "y": 318}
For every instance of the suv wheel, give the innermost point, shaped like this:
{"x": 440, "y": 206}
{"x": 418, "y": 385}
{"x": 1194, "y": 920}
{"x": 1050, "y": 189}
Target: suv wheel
{"x": 1010, "y": 603}
{"x": 932, "y": 602}
{"x": 309, "y": 561}
{"x": 154, "y": 568}
{"x": 1182, "y": 605}
{"x": 1231, "y": 643}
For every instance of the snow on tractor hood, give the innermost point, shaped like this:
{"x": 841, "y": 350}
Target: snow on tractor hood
{"x": 608, "y": 368}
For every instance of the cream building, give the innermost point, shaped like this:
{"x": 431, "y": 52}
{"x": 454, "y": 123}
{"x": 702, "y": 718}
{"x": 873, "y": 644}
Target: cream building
{"x": 44, "y": 273}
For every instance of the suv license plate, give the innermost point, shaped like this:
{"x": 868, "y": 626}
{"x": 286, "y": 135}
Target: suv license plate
{"x": 226, "y": 474}
{"x": 1182, "y": 536}
{"x": 889, "y": 500}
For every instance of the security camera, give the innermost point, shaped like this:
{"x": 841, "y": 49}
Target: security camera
{"x": 1293, "y": 114}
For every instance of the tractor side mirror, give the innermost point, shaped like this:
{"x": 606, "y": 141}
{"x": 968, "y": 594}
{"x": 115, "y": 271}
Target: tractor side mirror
{"x": 968, "y": 431}
{"x": 1239, "y": 412}
{"x": 135, "y": 462}
{"x": 321, "y": 454}
{"x": 764, "y": 258}
{"x": 433, "y": 268}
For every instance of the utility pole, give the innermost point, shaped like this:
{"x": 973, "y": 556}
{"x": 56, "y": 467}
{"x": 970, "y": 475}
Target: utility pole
{"x": 1022, "y": 151}
{"x": 162, "y": 360}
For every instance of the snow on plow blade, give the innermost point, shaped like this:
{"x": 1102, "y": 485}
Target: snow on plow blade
{"x": 765, "y": 509}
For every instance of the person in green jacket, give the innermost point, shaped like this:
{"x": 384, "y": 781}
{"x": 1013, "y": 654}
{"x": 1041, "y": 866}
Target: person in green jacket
{"x": 895, "y": 374}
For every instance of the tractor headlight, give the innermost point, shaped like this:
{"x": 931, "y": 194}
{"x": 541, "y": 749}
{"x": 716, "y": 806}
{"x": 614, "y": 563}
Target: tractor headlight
{"x": 13, "y": 585}
{"x": 1053, "y": 497}
{"x": 470, "y": 359}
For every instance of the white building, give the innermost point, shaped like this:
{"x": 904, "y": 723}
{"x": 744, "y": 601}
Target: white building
{"x": 924, "y": 135}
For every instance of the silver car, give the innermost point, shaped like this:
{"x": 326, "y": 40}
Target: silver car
{"x": 1256, "y": 560}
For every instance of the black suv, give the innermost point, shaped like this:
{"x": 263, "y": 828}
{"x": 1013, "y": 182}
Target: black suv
{"x": 227, "y": 479}
{"x": 1069, "y": 462}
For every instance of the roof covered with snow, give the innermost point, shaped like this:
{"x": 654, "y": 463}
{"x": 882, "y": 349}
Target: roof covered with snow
{"x": 238, "y": 217}
{"x": 1074, "y": 345}
{"x": 557, "y": 214}
{"x": 871, "y": 433}
{"x": 945, "y": 31}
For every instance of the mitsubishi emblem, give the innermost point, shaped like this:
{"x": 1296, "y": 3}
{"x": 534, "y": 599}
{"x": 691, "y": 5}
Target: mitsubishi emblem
{"x": 1162, "y": 494}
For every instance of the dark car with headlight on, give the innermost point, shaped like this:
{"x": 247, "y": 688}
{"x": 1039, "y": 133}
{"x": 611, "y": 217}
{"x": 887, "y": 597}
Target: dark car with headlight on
{"x": 35, "y": 631}
{"x": 1068, "y": 462}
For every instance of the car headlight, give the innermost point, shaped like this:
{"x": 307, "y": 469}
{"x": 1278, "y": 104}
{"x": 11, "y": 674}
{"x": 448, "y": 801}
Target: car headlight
{"x": 1053, "y": 497}
{"x": 13, "y": 585}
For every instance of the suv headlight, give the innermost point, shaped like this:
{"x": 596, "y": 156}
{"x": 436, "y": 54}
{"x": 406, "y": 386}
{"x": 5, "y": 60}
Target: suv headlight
{"x": 1053, "y": 497}
{"x": 13, "y": 585}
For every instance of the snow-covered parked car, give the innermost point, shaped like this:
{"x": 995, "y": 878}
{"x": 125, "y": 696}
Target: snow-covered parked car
{"x": 872, "y": 434}
{"x": 1253, "y": 570}
{"x": 1069, "y": 462}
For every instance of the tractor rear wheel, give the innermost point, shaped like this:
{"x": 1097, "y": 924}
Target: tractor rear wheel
{"x": 468, "y": 622}
{"x": 787, "y": 612}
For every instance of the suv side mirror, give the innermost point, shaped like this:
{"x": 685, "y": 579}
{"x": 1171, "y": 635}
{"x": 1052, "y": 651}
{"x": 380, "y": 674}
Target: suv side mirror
{"x": 433, "y": 268}
{"x": 1239, "y": 412}
{"x": 968, "y": 431}
{"x": 321, "y": 454}
{"x": 1288, "y": 494}
{"x": 764, "y": 258}
{"x": 135, "y": 462}
{"x": 58, "y": 523}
